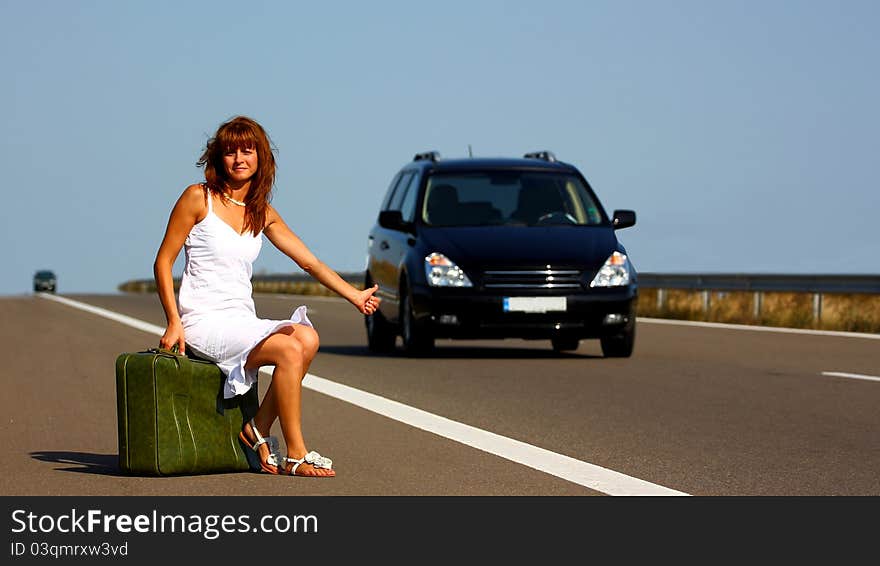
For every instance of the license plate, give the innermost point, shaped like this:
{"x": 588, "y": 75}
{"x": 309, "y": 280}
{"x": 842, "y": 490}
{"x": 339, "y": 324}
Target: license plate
{"x": 534, "y": 304}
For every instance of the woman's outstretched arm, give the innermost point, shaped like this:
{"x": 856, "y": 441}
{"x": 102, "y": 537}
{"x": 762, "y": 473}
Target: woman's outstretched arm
{"x": 283, "y": 238}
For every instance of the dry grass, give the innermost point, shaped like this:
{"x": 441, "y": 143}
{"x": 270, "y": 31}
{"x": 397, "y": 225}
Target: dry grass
{"x": 855, "y": 313}
{"x": 847, "y": 312}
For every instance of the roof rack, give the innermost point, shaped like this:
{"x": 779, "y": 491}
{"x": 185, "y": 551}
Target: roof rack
{"x": 545, "y": 155}
{"x": 427, "y": 156}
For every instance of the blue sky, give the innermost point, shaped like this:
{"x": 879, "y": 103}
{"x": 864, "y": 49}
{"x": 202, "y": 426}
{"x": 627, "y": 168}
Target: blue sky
{"x": 744, "y": 134}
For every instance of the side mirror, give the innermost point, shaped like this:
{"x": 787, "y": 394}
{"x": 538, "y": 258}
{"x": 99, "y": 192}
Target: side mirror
{"x": 623, "y": 219}
{"x": 393, "y": 220}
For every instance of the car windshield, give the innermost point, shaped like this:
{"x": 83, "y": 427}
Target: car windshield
{"x": 45, "y": 274}
{"x": 515, "y": 198}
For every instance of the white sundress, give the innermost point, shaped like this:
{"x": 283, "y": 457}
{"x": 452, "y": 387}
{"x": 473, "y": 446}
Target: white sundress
{"x": 216, "y": 304}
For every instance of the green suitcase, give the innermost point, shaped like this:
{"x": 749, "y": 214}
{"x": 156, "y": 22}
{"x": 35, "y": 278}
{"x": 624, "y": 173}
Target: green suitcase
{"x": 173, "y": 419}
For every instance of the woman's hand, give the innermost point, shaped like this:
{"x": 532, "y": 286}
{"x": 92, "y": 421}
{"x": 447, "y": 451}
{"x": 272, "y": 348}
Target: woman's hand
{"x": 173, "y": 335}
{"x": 366, "y": 302}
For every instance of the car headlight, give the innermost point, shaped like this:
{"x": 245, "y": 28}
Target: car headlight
{"x": 614, "y": 273}
{"x": 441, "y": 272}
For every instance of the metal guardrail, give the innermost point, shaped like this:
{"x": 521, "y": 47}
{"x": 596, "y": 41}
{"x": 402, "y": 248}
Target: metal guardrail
{"x": 784, "y": 283}
{"x": 705, "y": 283}
{"x": 763, "y": 282}
{"x": 351, "y": 277}
{"x": 758, "y": 284}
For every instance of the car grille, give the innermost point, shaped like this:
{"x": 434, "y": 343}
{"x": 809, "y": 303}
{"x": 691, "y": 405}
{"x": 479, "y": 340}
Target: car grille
{"x": 532, "y": 279}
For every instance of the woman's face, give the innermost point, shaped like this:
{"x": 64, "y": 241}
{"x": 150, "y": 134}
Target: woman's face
{"x": 241, "y": 163}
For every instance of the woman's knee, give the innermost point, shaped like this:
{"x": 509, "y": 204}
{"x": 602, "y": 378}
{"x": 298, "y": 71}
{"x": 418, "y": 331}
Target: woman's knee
{"x": 308, "y": 337}
{"x": 292, "y": 352}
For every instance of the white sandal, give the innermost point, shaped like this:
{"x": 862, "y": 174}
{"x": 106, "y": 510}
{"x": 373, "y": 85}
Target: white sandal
{"x": 313, "y": 458}
{"x": 271, "y": 464}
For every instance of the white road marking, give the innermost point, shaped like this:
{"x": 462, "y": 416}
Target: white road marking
{"x": 851, "y": 375}
{"x": 582, "y": 473}
{"x": 127, "y": 320}
{"x": 759, "y": 328}
{"x": 577, "y": 471}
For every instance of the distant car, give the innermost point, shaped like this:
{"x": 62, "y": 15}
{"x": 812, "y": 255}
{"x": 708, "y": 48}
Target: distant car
{"x": 45, "y": 280}
{"x": 499, "y": 248}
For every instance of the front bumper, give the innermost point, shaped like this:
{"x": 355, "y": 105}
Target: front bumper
{"x": 472, "y": 313}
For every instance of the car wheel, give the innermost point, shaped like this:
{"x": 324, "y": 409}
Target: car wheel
{"x": 416, "y": 339}
{"x": 564, "y": 344}
{"x": 380, "y": 335}
{"x": 620, "y": 345}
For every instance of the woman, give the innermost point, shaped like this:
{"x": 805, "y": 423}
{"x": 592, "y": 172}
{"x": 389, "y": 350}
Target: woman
{"x": 220, "y": 223}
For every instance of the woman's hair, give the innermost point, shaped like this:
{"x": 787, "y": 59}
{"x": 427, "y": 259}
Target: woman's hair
{"x": 242, "y": 132}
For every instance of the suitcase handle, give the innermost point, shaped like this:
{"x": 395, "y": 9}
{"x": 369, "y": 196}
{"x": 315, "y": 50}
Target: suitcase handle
{"x": 174, "y": 351}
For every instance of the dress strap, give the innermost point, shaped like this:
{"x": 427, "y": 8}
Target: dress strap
{"x": 208, "y": 197}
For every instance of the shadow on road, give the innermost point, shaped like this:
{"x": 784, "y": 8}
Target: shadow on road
{"x": 82, "y": 462}
{"x": 461, "y": 352}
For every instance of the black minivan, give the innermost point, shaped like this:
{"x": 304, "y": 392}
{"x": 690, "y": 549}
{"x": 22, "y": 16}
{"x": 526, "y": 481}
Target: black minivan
{"x": 499, "y": 248}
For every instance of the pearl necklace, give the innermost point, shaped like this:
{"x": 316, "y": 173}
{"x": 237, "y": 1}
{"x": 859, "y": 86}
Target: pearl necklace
{"x": 233, "y": 201}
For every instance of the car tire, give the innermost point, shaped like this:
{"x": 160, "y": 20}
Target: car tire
{"x": 417, "y": 340}
{"x": 620, "y": 345}
{"x": 564, "y": 344}
{"x": 380, "y": 334}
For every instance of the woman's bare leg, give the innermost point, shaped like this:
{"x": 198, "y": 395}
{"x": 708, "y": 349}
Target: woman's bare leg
{"x": 308, "y": 338}
{"x": 290, "y": 350}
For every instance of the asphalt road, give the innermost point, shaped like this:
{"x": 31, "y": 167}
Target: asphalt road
{"x": 696, "y": 410}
